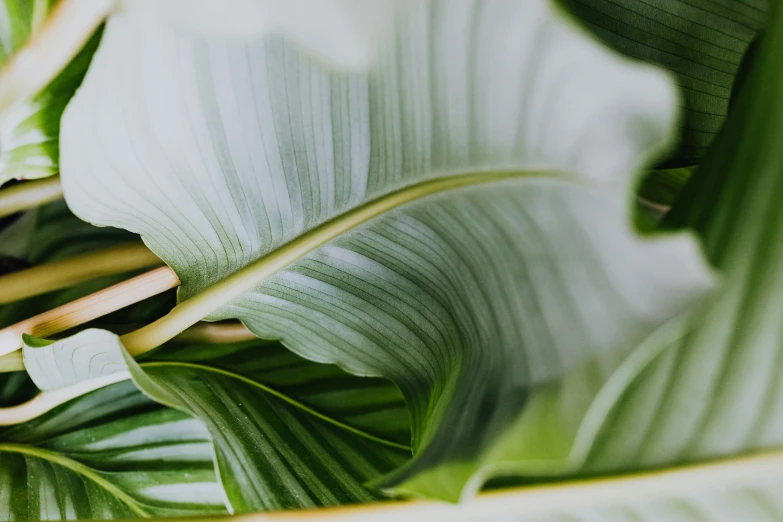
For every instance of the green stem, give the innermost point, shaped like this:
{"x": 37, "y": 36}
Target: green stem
{"x": 29, "y": 194}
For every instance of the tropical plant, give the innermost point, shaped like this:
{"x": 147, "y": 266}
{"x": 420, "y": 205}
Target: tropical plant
{"x": 314, "y": 254}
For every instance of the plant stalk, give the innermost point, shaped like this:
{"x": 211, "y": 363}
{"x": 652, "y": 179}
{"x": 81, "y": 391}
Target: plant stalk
{"x": 88, "y": 308}
{"x": 72, "y": 271}
{"x": 62, "y": 36}
{"x": 201, "y": 333}
{"x": 29, "y": 194}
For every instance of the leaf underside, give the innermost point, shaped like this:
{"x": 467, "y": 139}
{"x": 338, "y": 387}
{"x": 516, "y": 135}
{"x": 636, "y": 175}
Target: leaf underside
{"x": 237, "y": 149}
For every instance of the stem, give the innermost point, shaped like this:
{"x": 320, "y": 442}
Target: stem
{"x": 12, "y": 362}
{"x": 212, "y": 333}
{"x": 202, "y": 333}
{"x": 74, "y": 270}
{"x": 193, "y": 310}
{"x": 65, "y": 32}
{"x": 44, "y": 402}
{"x": 88, "y": 308}
{"x": 40, "y": 10}
{"x": 29, "y": 194}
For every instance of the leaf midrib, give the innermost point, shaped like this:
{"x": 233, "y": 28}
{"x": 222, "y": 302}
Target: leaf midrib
{"x": 201, "y": 305}
{"x": 281, "y": 396}
{"x": 78, "y": 468}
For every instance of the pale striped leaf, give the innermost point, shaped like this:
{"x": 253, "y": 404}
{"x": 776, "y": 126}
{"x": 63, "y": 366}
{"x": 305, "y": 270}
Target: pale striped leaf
{"x": 225, "y": 156}
{"x": 701, "y": 41}
{"x": 29, "y": 130}
{"x": 109, "y": 454}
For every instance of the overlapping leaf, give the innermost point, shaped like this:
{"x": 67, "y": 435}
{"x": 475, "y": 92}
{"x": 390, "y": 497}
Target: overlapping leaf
{"x": 29, "y": 130}
{"x": 701, "y": 41}
{"x": 110, "y": 454}
{"x": 287, "y": 433}
{"x": 500, "y": 280}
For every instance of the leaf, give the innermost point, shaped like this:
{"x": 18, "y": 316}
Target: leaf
{"x": 453, "y": 222}
{"x": 110, "y": 454}
{"x": 29, "y": 130}
{"x": 717, "y": 391}
{"x": 661, "y": 187}
{"x": 287, "y": 433}
{"x": 702, "y": 42}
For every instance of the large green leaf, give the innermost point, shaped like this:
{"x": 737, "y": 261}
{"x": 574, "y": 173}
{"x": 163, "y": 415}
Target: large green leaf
{"x": 718, "y": 390}
{"x": 29, "y": 130}
{"x": 110, "y": 454}
{"x": 288, "y": 433}
{"x": 701, "y": 41}
{"x": 455, "y": 220}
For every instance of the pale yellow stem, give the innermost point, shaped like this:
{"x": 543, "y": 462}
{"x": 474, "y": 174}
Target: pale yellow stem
{"x": 62, "y": 36}
{"x": 72, "y": 271}
{"x": 206, "y": 333}
{"x": 88, "y": 308}
{"x": 12, "y": 362}
{"x": 215, "y": 333}
{"x": 29, "y": 194}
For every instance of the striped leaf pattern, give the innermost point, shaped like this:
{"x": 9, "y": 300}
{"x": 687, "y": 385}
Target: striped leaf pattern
{"x": 29, "y": 130}
{"x": 701, "y": 41}
{"x": 109, "y": 454}
{"x": 517, "y": 267}
{"x": 288, "y": 433}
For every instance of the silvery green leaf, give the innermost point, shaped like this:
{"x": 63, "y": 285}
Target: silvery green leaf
{"x": 459, "y": 213}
